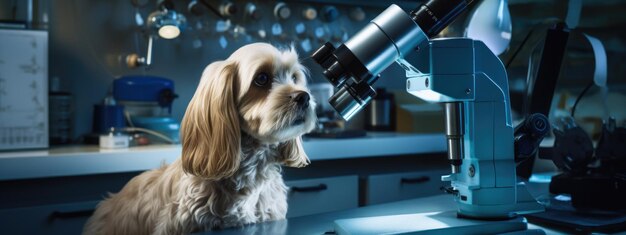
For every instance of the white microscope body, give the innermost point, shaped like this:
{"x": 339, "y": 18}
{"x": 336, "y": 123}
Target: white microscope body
{"x": 472, "y": 83}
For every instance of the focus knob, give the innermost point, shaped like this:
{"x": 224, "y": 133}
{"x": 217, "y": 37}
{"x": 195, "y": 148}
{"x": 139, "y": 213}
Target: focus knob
{"x": 309, "y": 13}
{"x": 228, "y": 9}
{"x": 281, "y": 11}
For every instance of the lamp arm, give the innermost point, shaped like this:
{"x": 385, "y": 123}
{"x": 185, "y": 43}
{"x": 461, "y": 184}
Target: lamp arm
{"x": 134, "y": 60}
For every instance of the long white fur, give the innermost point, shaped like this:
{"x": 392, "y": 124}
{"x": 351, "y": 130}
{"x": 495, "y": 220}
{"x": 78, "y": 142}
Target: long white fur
{"x": 235, "y": 139}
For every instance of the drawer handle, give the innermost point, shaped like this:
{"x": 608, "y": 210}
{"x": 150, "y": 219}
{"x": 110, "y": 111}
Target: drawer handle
{"x": 67, "y": 214}
{"x": 416, "y": 180}
{"x": 318, "y": 188}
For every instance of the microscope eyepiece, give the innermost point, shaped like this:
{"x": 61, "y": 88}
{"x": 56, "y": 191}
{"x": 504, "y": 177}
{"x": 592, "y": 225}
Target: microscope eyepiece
{"x": 335, "y": 74}
{"x": 351, "y": 98}
{"x": 435, "y": 15}
{"x": 322, "y": 54}
{"x": 333, "y": 70}
{"x": 354, "y": 66}
{"x": 340, "y": 64}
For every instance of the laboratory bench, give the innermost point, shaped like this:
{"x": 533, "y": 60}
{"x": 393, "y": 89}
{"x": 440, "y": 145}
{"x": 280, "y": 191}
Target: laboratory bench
{"x": 54, "y": 191}
{"x": 324, "y": 223}
{"x": 433, "y": 211}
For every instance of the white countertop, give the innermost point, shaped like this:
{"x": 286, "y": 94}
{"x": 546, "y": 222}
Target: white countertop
{"x": 83, "y": 160}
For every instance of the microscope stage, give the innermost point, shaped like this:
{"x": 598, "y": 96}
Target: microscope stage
{"x": 445, "y": 222}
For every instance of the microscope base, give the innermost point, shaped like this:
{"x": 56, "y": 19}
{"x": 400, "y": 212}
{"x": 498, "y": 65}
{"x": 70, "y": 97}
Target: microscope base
{"x": 525, "y": 204}
{"x": 445, "y": 222}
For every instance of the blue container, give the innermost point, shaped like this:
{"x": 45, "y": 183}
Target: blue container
{"x": 107, "y": 116}
{"x": 140, "y": 88}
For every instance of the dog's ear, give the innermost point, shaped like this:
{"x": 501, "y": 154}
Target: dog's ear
{"x": 292, "y": 153}
{"x": 210, "y": 130}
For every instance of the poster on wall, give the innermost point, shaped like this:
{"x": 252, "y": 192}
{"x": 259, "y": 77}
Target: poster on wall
{"x": 23, "y": 89}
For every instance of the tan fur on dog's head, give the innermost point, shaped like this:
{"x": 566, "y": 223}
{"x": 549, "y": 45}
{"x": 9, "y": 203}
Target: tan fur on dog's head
{"x": 231, "y": 98}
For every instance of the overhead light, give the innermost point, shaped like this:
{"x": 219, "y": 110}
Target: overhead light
{"x": 169, "y": 31}
{"x": 491, "y": 23}
{"x": 167, "y": 23}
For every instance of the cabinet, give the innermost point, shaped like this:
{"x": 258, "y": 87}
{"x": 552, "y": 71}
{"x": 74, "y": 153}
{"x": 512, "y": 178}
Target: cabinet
{"x": 401, "y": 186}
{"x": 319, "y": 195}
{"x": 59, "y": 205}
{"x": 66, "y": 218}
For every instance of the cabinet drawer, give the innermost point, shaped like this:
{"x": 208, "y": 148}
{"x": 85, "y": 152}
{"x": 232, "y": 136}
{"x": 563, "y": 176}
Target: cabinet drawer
{"x": 50, "y": 219}
{"x": 321, "y": 195}
{"x": 401, "y": 186}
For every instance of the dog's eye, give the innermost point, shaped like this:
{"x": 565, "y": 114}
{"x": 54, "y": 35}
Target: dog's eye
{"x": 261, "y": 79}
{"x": 294, "y": 78}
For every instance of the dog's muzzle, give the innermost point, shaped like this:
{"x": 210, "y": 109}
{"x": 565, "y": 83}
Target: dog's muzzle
{"x": 302, "y": 100}
{"x": 302, "y": 103}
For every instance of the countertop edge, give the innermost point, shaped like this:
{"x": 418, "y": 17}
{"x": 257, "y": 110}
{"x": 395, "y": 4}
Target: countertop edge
{"x": 73, "y": 161}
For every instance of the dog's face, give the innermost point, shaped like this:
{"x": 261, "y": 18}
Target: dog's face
{"x": 274, "y": 102}
{"x": 259, "y": 90}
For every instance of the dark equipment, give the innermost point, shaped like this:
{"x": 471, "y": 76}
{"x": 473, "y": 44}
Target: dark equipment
{"x": 542, "y": 84}
{"x": 596, "y": 183}
{"x": 593, "y": 181}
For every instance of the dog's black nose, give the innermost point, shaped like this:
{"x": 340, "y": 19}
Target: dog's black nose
{"x": 302, "y": 99}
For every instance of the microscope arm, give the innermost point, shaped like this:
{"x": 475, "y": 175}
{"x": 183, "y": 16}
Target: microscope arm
{"x": 472, "y": 83}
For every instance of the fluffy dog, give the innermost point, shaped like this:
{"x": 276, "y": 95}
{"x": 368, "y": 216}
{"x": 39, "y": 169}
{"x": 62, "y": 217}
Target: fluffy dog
{"x": 244, "y": 121}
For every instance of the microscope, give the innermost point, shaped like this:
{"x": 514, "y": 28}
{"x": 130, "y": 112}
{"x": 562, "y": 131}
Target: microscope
{"x": 472, "y": 84}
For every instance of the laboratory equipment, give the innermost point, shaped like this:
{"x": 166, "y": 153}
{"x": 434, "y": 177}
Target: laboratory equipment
{"x": 166, "y": 21}
{"x": 309, "y": 13}
{"x": 472, "y": 84}
{"x": 330, "y": 13}
{"x": 148, "y": 103}
{"x": 380, "y": 115}
{"x": 195, "y": 8}
{"x": 252, "y": 11}
{"x": 108, "y": 114}
{"x": 228, "y": 9}
{"x": 588, "y": 195}
{"x": 61, "y": 113}
{"x": 357, "y": 14}
{"x": 282, "y": 11}
{"x": 23, "y": 89}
